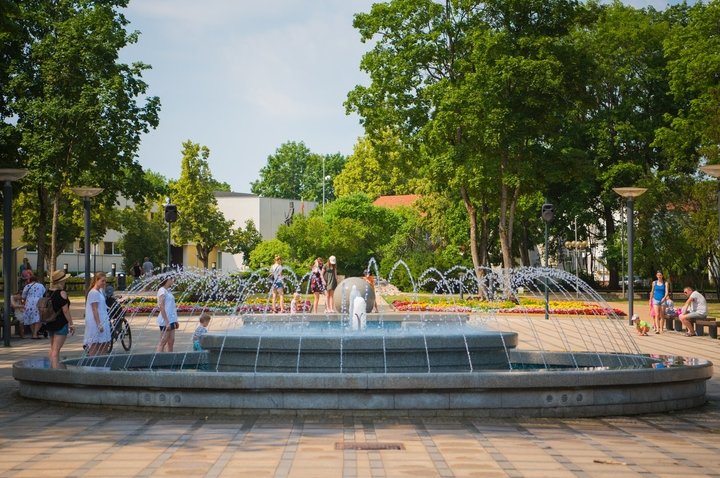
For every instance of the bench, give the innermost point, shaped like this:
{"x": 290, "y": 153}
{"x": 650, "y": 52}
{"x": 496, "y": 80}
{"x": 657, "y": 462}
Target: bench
{"x": 711, "y": 325}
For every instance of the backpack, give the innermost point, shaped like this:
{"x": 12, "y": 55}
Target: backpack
{"x": 45, "y": 307}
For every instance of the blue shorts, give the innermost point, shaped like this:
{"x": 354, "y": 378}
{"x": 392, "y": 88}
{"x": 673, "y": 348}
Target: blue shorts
{"x": 173, "y": 326}
{"x": 278, "y": 284}
{"x": 62, "y": 331}
{"x": 657, "y": 302}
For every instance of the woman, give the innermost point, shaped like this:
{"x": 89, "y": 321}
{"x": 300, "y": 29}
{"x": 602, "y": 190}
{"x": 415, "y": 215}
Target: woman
{"x": 63, "y": 325}
{"x": 167, "y": 318}
{"x": 277, "y": 287}
{"x": 659, "y": 293}
{"x": 97, "y": 321}
{"x": 31, "y": 293}
{"x": 330, "y": 284}
{"x": 317, "y": 282}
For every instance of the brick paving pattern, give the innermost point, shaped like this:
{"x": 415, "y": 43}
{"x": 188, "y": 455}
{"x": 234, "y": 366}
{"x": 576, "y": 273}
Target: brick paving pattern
{"x": 46, "y": 440}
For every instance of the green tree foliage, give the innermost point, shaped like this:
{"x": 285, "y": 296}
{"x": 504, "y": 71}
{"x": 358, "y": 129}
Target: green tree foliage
{"x": 264, "y": 254}
{"x": 79, "y": 113}
{"x": 484, "y": 90}
{"x": 693, "y": 65}
{"x": 378, "y": 168}
{"x": 244, "y": 240}
{"x": 352, "y": 229}
{"x": 144, "y": 235}
{"x": 200, "y": 221}
{"x": 294, "y": 172}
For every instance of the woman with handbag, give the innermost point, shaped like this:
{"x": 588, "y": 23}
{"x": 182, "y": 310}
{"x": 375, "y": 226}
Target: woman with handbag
{"x": 59, "y": 328}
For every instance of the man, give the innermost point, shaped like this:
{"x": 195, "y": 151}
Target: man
{"x": 148, "y": 267}
{"x": 694, "y": 308}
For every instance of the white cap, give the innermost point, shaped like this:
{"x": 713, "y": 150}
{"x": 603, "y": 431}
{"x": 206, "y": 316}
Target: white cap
{"x": 635, "y": 317}
{"x": 332, "y": 260}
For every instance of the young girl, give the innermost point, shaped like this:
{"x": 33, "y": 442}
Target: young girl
{"x": 317, "y": 282}
{"x": 97, "y": 320}
{"x": 295, "y": 303}
{"x": 167, "y": 319}
{"x": 200, "y": 330}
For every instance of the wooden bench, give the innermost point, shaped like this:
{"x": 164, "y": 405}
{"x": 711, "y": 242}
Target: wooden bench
{"x": 710, "y": 323}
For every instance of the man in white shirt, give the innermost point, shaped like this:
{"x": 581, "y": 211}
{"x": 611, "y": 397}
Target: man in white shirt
{"x": 694, "y": 308}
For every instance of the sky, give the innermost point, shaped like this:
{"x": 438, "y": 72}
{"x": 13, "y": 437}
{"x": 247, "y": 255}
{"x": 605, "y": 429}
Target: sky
{"x": 242, "y": 78}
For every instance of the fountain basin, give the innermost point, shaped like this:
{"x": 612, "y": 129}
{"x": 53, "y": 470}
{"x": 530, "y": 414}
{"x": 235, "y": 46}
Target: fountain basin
{"x": 581, "y": 385}
{"x": 384, "y": 347}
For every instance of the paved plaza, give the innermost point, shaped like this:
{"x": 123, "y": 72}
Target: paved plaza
{"x": 44, "y": 440}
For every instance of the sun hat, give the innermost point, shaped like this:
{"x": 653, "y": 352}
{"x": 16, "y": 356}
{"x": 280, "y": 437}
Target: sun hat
{"x": 332, "y": 260}
{"x": 58, "y": 276}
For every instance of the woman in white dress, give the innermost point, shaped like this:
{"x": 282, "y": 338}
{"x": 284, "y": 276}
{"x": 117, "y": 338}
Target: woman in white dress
{"x": 97, "y": 320}
{"x": 31, "y": 294}
{"x": 167, "y": 319}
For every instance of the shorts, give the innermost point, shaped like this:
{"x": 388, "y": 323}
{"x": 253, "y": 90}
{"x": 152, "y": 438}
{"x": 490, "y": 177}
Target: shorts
{"x": 64, "y": 330}
{"x": 656, "y": 301}
{"x": 278, "y": 284}
{"x": 695, "y": 316}
{"x": 173, "y": 326}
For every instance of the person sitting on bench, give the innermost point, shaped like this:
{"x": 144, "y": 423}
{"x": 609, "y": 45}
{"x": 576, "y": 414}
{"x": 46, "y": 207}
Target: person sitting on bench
{"x": 694, "y": 308}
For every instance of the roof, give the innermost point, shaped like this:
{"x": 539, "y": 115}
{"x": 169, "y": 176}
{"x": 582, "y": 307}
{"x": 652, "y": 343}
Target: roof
{"x": 223, "y": 194}
{"x": 402, "y": 200}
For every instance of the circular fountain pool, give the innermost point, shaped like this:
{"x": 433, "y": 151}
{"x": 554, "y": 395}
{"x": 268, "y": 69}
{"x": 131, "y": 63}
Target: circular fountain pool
{"x": 428, "y": 364}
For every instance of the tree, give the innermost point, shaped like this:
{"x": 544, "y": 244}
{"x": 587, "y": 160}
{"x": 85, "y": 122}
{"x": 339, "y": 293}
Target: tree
{"x": 144, "y": 235}
{"x": 481, "y": 90}
{"x": 294, "y": 172}
{"x": 264, "y": 254}
{"x": 79, "y": 112}
{"x": 352, "y": 229}
{"x": 693, "y": 66}
{"x": 378, "y": 168}
{"x": 199, "y": 218}
{"x": 244, "y": 240}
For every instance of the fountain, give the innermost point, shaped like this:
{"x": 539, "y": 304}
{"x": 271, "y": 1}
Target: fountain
{"x": 392, "y": 362}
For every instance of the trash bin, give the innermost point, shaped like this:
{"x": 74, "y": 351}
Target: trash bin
{"x": 121, "y": 281}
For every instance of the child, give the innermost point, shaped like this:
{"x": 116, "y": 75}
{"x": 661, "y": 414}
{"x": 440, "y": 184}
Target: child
{"x": 295, "y": 302}
{"x": 641, "y": 326}
{"x": 201, "y": 330}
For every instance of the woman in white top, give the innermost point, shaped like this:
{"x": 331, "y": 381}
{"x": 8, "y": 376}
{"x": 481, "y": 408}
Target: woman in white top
{"x": 167, "y": 319}
{"x": 31, "y": 294}
{"x": 97, "y": 320}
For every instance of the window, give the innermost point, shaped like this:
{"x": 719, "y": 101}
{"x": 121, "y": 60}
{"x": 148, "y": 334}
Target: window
{"x": 110, "y": 248}
{"x": 69, "y": 248}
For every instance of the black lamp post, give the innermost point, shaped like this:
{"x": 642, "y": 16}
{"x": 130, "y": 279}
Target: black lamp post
{"x": 7, "y": 176}
{"x": 630, "y": 194}
{"x": 87, "y": 193}
{"x": 171, "y": 215}
{"x": 547, "y": 214}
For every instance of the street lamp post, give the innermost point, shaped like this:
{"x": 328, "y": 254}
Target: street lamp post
{"x": 714, "y": 170}
{"x": 87, "y": 193}
{"x": 7, "y": 176}
{"x": 630, "y": 194}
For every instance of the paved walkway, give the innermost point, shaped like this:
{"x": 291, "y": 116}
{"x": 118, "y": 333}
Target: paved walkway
{"x": 43, "y": 440}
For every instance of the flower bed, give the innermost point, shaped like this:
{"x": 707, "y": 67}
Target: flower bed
{"x": 526, "y": 306}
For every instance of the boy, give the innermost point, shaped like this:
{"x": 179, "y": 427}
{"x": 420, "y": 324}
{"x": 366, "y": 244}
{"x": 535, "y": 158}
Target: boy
{"x": 201, "y": 330}
{"x": 641, "y": 326}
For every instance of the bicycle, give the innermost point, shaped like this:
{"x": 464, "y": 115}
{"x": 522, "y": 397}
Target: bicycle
{"x": 120, "y": 328}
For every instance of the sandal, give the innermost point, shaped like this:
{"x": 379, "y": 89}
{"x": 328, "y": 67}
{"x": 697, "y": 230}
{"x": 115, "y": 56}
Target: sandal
{"x": 688, "y": 334}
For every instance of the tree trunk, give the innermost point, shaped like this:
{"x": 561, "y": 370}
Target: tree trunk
{"x": 610, "y": 232}
{"x": 484, "y": 235}
{"x": 41, "y": 233}
{"x": 203, "y": 254}
{"x": 524, "y": 246}
{"x": 53, "y": 236}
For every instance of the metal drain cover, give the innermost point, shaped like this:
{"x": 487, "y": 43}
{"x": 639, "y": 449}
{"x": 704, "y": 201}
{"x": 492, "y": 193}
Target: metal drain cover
{"x": 353, "y": 445}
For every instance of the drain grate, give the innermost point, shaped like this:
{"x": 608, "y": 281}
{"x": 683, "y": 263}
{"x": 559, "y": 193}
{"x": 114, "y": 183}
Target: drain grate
{"x": 353, "y": 445}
